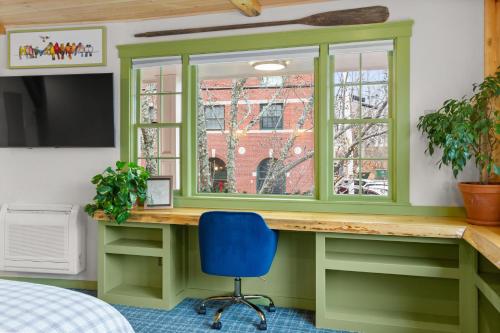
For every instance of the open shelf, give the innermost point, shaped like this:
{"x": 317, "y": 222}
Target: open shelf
{"x": 395, "y": 319}
{"x": 134, "y": 241}
{"x": 135, "y": 247}
{"x": 488, "y": 282}
{"x": 391, "y": 264}
{"x": 488, "y": 315}
{"x": 390, "y": 303}
{"x": 389, "y": 257}
{"x": 133, "y": 276}
{"x": 136, "y": 291}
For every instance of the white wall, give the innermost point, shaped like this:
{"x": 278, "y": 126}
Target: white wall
{"x": 446, "y": 58}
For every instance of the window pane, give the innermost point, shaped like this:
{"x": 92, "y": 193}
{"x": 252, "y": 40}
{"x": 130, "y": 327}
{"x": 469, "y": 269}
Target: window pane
{"x": 375, "y": 67}
{"x": 171, "y": 108}
{"x": 151, "y": 165}
{"x": 346, "y": 102}
{"x": 375, "y": 178}
{"x": 374, "y": 142}
{"x": 162, "y": 167}
{"x": 374, "y": 101}
{"x": 156, "y": 142}
{"x": 164, "y": 79}
{"x": 347, "y": 68}
{"x": 346, "y": 141}
{"x": 169, "y": 142}
{"x": 171, "y": 167}
{"x": 345, "y": 177}
{"x": 148, "y": 139}
{"x": 148, "y": 109}
{"x": 251, "y": 156}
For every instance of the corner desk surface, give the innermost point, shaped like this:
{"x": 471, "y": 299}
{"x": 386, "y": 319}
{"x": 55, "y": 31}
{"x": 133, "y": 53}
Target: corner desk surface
{"x": 486, "y": 240}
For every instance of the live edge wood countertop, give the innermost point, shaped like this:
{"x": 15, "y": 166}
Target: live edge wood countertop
{"x": 484, "y": 239}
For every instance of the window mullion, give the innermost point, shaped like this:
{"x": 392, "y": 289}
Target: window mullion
{"x": 359, "y": 127}
{"x": 323, "y": 161}
{"x": 135, "y": 137}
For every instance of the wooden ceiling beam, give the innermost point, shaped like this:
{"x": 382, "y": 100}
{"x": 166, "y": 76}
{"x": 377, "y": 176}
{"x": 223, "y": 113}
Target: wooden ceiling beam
{"x": 248, "y": 7}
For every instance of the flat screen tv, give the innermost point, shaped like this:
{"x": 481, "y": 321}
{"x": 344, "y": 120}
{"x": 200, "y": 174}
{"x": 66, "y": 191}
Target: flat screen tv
{"x": 57, "y": 111}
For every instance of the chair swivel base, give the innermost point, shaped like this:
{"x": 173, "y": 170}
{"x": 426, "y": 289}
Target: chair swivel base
{"x": 236, "y": 298}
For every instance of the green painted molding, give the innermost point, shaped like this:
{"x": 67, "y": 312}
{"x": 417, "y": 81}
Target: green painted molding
{"x": 312, "y": 205}
{"x": 126, "y": 114}
{"x": 272, "y": 40}
{"x": 62, "y": 283}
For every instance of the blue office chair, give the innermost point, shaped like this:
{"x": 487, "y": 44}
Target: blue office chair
{"x": 236, "y": 244}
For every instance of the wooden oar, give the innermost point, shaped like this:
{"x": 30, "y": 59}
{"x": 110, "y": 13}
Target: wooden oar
{"x": 374, "y": 14}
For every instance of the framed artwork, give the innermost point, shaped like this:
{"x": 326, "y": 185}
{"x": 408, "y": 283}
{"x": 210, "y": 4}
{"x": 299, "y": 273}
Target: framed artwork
{"x": 159, "y": 194}
{"x": 68, "y": 47}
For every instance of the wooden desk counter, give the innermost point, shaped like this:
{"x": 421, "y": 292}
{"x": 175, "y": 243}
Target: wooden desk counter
{"x": 486, "y": 240}
{"x": 393, "y": 225}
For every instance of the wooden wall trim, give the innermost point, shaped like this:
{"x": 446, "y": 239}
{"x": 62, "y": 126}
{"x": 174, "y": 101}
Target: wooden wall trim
{"x": 491, "y": 36}
{"x": 492, "y": 50}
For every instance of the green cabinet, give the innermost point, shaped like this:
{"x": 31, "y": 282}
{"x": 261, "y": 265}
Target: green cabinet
{"x": 142, "y": 264}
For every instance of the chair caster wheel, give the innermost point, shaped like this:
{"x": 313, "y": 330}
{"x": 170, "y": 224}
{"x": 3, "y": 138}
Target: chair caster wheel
{"x": 262, "y": 326}
{"x": 216, "y": 325}
{"x": 201, "y": 310}
{"x": 271, "y": 308}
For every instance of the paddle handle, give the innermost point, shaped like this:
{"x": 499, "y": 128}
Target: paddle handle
{"x": 216, "y": 28}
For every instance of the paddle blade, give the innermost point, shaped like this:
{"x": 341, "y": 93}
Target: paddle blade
{"x": 365, "y": 15}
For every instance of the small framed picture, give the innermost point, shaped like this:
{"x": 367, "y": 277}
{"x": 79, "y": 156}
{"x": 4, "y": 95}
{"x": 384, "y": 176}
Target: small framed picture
{"x": 159, "y": 194}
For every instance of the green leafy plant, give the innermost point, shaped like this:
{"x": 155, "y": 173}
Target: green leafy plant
{"x": 119, "y": 190}
{"x": 465, "y": 129}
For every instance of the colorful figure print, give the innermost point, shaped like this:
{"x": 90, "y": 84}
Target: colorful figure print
{"x": 56, "y": 50}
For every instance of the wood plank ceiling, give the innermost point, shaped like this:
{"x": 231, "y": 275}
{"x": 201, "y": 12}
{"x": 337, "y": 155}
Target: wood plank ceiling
{"x": 48, "y": 12}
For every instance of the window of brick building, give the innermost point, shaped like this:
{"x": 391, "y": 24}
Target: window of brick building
{"x": 214, "y": 117}
{"x": 272, "y": 117}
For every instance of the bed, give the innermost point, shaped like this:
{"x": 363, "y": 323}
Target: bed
{"x": 35, "y": 308}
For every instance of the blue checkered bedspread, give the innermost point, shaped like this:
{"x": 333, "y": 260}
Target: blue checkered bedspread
{"x": 34, "y": 308}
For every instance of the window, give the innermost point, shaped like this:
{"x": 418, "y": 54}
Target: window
{"x": 271, "y": 81}
{"x": 214, "y": 117}
{"x": 361, "y": 122}
{"x": 325, "y": 132}
{"x": 218, "y": 172}
{"x": 265, "y": 182}
{"x": 253, "y": 114}
{"x": 272, "y": 116}
{"x": 158, "y": 118}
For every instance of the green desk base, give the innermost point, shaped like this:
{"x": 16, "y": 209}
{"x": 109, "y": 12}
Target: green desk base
{"x": 361, "y": 283}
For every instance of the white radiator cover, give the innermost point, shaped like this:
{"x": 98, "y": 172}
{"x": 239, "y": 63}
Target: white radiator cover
{"x": 42, "y": 238}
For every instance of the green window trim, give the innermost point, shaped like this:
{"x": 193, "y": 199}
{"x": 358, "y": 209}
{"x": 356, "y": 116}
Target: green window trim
{"x": 324, "y": 199}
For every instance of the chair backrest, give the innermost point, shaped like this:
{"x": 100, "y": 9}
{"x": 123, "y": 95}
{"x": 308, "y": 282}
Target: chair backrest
{"x": 236, "y": 244}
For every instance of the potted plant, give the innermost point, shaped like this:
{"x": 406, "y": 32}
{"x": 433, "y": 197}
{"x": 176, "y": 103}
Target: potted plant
{"x": 465, "y": 129}
{"x": 118, "y": 191}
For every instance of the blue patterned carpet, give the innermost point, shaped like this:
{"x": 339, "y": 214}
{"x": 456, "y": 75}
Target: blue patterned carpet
{"x": 238, "y": 319}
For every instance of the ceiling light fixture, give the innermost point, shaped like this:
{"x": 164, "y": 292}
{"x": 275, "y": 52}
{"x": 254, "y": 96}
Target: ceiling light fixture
{"x": 274, "y": 65}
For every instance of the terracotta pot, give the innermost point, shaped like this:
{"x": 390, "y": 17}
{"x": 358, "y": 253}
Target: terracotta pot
{"x": 482, "y": 203}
